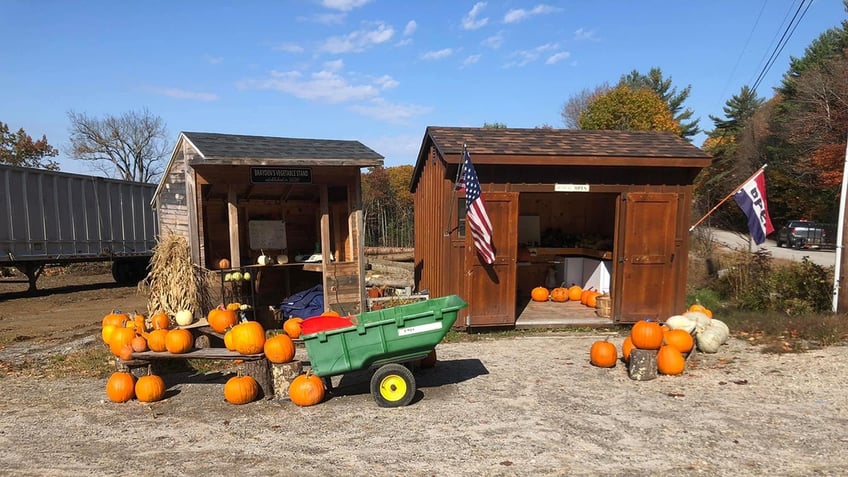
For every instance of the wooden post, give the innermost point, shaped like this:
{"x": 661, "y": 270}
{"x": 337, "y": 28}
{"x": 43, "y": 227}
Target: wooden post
{"x": 260, "y": 370}
{"x": 643, "y": 364}
{"x": 283, "y": 375}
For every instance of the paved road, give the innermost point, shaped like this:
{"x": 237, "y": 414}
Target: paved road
{"x": 825, "y": 258}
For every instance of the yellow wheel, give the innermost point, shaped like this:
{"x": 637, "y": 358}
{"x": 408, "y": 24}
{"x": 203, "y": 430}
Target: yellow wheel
{"x": 393, "y": 385}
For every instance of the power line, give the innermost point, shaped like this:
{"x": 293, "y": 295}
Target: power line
{"x": 784, "y": 39}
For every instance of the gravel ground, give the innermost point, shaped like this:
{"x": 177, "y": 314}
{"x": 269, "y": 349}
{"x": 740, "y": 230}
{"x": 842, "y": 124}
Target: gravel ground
{"x": 528, "y": 405}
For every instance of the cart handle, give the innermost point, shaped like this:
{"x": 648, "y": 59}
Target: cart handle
{"x": 401, "y": 319}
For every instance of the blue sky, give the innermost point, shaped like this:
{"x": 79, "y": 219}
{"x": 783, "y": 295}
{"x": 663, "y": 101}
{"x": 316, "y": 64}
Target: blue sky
{"x": 377, "y": 71}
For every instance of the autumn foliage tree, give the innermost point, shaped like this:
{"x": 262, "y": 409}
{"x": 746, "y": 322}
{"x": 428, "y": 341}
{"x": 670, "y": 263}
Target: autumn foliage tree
{"x": 625, "y": 108}
{"x": 388, "y": 206}
{"x": 19, "y": 149}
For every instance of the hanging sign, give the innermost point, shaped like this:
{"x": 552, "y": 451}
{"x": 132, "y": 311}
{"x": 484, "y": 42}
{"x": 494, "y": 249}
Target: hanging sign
{"x": 571, "y": 187}
{"x": 290, "y": 175}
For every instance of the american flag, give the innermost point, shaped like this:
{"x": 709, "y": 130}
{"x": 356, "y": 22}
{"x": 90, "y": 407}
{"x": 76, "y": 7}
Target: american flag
{"x": 475, "y": 214}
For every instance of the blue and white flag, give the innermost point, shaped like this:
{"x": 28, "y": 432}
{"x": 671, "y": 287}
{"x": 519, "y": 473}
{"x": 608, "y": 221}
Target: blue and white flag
{"x": 751, "y": 198}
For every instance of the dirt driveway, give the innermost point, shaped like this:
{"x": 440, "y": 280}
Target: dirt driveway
{"x": 526, "y": 405}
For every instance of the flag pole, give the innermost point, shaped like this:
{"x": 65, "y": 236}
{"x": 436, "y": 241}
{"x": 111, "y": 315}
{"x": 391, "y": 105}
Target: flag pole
{"x": 453, "y": 201}
{"x": 727, "y": 198}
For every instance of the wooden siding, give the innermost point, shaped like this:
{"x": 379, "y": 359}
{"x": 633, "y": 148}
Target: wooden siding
{"x": 432, "y": 244}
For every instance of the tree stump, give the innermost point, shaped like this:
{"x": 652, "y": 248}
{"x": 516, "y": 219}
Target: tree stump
{"x": 136, "y": 367}
{"x": 643, "y": 364}
{"x": 260, "y": 370}
{"x": 283, "y": 375}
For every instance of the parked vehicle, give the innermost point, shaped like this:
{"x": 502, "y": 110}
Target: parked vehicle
{"x": 800, "y": 234}
{"x": 49, "y": 217}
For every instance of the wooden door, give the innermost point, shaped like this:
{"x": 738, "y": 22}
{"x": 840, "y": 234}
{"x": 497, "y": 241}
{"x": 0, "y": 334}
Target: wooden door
{"x": 645, "y": 285}
{"x": 490, "y": 289}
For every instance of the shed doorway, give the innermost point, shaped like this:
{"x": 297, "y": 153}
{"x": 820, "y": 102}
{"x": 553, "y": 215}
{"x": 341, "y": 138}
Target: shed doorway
{"x": 564, "y": 238}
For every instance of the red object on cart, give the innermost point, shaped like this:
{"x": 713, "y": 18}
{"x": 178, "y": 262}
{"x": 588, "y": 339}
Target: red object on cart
{"x": 315, "y": 324}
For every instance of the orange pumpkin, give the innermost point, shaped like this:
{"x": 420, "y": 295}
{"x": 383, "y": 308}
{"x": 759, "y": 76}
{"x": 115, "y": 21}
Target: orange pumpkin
{"x": 603, "y": 354}
{"x": 292, "y": 327}
{"x": 116, "y": 318}
{"x": 160, "y": 321}
{"x": 626, "y": 348}
{"x": 592, "y": 299}
{"x": 574, "y": 292}
{"x": 306, "y": 390}
{"x": 696, "y": 307}
{"x": 330, "y": 313}
{"x": 223, "y": 263}
{"x": 646, "y": 335}
{"x": 279, "y": 348}
{"x": 240, "y": 390}
{"x": 679, "y": 339}
{"x": 220, "y": 319}
{"x": 248, "y": 337}
{"x": 120, "y": 387}
{"x": 156, "y": 340}
{"x": 120, "y": 337}
{"x": 139, "y": 344}
{"x": 559, "y": 294}
{"x": 539, "y": 294}
{"x": 150, "y": 388}
{"x": 179, "y": 341}
{"x": 670, "y": 361}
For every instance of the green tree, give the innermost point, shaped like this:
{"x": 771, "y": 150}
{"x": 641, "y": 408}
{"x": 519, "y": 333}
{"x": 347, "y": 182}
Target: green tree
{"x": 494, "y": 125}
{"x": 19, "y": 149}
{"x": 624, "y": 108}
{"x": 829, "y": 44}
{"x": 737, "y": 110}
{"x": 655, "y": 82}
{"x": 133, "y": 146}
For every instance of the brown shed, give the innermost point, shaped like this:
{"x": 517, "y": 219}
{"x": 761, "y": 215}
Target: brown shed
{"x": 297, "y": 201}
{"x": 608, "y": 210}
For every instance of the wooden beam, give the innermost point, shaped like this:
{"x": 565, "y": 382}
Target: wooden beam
{"x": 232, "y": 210}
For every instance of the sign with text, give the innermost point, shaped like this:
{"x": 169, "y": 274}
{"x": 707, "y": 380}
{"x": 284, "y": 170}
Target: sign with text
{"x": 289, "y": 175}
{"x": 571, "y": 187}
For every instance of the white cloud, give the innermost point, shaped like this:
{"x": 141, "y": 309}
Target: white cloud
{"x": 329, "y": 18}
{"x": 410, "y": 28}
{"x": 183, "y": 94}
{"x": 470, "y": 60}
{"x": 520, "y": 14}
{"x": 289, "y": 48}
{"x": 379, "y": 108}
{"x": 214, "y": 60}
{"x": 470, "y": 20}
{"x": 344, "y": 5}
{"x": 404, "y": 42}
{"x": 358, "y": 40}
{"x": 398, "y": 150}
{"x": 494, "y": 42}
{"x": 334, "y": 65}
{"x": 557, "y": 57}
{"x": 437, "y": 54}
{"x": 525, "y": 57}
{"x": 386, "y": 82}
{"x": 326, "y": 86}
{"x": 583, "y": 35}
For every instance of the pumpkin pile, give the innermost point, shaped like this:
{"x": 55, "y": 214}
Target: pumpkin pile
{"x": 562, "y": 294}
{"x": 672, "y": 341}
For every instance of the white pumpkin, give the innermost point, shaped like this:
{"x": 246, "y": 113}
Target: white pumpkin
{"x": 709, "y": 340}
{"x": 702, "y": 321}
{"x": 264, "y": 260}
{"x": 282, "y": 259}
{"x": 184, "y": 317}
{"x": 680, "y": 322}
{"x": 721, "y": 328}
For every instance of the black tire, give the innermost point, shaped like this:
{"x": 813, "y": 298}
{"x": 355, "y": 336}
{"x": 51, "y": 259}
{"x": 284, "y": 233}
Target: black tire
{"x": 393, "y": 385}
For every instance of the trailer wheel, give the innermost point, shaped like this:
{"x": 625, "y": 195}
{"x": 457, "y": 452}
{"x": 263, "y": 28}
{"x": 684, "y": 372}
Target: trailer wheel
{"x": 393, "y": 385}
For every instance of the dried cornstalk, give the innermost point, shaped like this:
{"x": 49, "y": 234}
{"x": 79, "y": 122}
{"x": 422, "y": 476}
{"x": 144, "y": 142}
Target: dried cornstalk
{"x": 174, "y": 283}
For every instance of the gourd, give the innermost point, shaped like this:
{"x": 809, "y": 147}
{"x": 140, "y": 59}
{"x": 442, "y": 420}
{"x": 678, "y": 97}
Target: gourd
{"x": 223, "y": 264}
{"x": 264, "y": 260}
{"x": 603, "y": 354}
{"x": 139, "y": 344}
{"x": 539, "y": 294}
{"x": 574, "y": 292}
{"x": 178, "y": 341}
{"x": 709, "y": 340}
{"x": 279, "y": 348}
{"x": 679, "y": 339}
{"x": 120, "y": 387}
{"x": 184, "y": 317}
{"x": 670, "y": 360}
{"x": 723, "y": 330}
{"x": 220, "y": 319}
{"x": 306, "y": 389}
{"x": 559, "y": 294}
{"x": 680, "y": 322}
{"x": 702, "y": 321}
{"x": 292, "y": 327}
{"x": 150, "y": 388}
{"x": 646, "y": 334}
{"x": 240, "y": 390}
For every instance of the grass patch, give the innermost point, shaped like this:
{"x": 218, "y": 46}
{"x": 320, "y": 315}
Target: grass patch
{"x": 780, "y": 333}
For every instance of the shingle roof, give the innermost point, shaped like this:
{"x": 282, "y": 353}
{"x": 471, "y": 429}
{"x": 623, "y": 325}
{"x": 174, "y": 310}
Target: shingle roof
{"x": 562, "y": 142}
{"x": 235, "y": 146}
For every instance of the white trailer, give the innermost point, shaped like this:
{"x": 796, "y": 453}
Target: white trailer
{"x": 49, "y": 217}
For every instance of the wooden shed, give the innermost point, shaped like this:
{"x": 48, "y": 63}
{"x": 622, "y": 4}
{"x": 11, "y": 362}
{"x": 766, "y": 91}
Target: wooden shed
{"x": 297, "y": 201}
{"x": 608, "y": 210}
